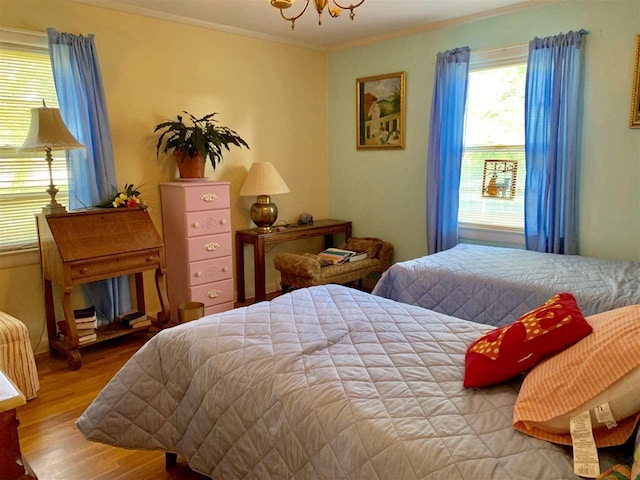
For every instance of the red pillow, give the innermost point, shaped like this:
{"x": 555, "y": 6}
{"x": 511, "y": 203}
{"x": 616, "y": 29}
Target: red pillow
{"x": 507, "y": 351}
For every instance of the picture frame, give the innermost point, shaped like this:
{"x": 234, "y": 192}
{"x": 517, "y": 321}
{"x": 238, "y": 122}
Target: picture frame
{"x": 380, "y": 111}
{"x": 634, "y": 119}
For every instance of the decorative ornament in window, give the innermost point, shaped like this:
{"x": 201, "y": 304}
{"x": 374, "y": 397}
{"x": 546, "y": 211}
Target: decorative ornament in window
{"x": 499, "y": 178}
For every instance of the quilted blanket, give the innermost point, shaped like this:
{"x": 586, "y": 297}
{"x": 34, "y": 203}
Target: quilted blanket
{"x": 326, "y": 382}
{"x": 495, "y": 285}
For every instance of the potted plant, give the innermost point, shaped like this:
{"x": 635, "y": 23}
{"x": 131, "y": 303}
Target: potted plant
{"x": 193, "y": 143}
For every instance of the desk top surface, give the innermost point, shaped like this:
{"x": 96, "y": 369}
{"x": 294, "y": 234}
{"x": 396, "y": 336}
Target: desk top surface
{"x": 295, "y": 228}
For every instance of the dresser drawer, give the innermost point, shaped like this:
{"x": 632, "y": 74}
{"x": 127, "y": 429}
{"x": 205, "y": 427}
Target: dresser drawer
{"x": 209, "y": 246}
{"x": 209, "y": 271}
{"x": 221, "y": 307}
{"x": 207, "y": 223}
{"x": 207, "y": 197}
{"x": 108, "y": 266}
{"x": 212, "y": 293}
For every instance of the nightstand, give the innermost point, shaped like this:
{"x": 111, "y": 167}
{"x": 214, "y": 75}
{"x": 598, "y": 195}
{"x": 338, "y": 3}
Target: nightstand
{"x": 13, "y": 466}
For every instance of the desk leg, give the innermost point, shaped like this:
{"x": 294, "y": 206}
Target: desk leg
{"x": 259, "y": 268}
{"x": 240, "y": 269}
{"x": 49, "y": 311}
{"x": 164, "y": 316}
{"x": 71, "y": 340}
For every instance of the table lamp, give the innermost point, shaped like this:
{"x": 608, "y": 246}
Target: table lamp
{"x": 48, "y": 132}
{"x": 263, "y": 180}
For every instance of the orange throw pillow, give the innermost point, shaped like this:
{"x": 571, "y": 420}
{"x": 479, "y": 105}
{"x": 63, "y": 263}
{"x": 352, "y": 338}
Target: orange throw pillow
{"x": 507, "y": 351}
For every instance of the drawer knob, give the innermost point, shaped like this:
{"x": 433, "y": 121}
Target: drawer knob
{"x": 225, "y": 269}
{"x": 223, "y": 221}
{"x": 212, "y": 246}
{"x": 84, "y": 270}
{"x": 150, "y": 259}
{"x": 199, "y": 274}
{"x": 196, "y": 225}
{"x": 209, "y": 197}
{"x": 214, "y": 293}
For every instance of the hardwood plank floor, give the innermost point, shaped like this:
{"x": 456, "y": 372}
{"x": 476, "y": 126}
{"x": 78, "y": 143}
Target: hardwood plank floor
{"x": 53, "y": 446}
{"x": 50, "y": 441}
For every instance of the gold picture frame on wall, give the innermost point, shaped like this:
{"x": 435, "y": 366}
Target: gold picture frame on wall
{"x": 380, "y": 111}
{"x": 634, "y": 119}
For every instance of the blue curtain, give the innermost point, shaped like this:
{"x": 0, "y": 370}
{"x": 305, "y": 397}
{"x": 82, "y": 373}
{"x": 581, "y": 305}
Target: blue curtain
{"x": 551, "y": 143}
{"x": 446, "y": 142}
{"x": 76, "y": 74}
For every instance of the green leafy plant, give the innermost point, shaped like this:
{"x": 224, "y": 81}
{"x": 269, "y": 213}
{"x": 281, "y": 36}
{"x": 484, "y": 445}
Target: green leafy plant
{"x": 202, "y": 136}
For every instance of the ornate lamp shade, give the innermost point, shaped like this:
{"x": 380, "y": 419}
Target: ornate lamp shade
{"x": 48, "y": 132}
{"x": 263, "y": 180}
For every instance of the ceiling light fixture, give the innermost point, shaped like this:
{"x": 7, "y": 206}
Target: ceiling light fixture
{"x": 320, "y": 5}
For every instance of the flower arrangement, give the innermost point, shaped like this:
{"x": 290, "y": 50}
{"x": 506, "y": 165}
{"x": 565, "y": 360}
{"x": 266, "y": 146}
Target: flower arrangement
{"x": 129, "y": 197}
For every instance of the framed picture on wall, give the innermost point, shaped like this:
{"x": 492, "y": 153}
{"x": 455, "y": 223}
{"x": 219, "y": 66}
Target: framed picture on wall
{"x": 380, "y": 111}
{"x": 634, "y": 119}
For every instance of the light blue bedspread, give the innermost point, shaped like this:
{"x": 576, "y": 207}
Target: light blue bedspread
{"x": 495, "y": 286}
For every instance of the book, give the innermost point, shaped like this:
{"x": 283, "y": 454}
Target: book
{"x": 87, "y": 338}
{"x": 132, "y": 317}
{"x": 336, "y": 255}
{"x": 85, "y": 313}
{"x": 144, "y": 323}
{"x": 358, "y": 256}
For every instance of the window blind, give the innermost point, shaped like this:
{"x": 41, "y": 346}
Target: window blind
{"x": 478, "y": 209}
{"x": 25, "y": 81}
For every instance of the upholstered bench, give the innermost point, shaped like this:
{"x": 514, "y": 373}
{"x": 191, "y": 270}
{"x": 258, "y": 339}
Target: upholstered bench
{"x": 307, "y": 269}
{"x": 16, "y": 356}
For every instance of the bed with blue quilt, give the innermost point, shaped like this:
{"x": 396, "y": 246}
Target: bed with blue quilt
{"x": 495, "y": 285}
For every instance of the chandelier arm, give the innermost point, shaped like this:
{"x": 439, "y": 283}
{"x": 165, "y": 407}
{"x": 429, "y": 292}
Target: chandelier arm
{"x": 293, "y": 18}
{"x": 350, "y": 7}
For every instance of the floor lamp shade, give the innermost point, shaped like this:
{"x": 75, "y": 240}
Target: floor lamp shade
{"x": 263, "y": 180}
{"x": 48, "y": 132}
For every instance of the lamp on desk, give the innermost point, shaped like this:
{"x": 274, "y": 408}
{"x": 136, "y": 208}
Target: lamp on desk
{"x": 48, "y": 132}
{"x": 263, "y": 180}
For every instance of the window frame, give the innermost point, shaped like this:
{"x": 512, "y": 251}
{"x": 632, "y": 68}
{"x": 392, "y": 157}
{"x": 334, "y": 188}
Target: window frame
{"x": 27, "y": 40}
{"x": 479, "y": 233}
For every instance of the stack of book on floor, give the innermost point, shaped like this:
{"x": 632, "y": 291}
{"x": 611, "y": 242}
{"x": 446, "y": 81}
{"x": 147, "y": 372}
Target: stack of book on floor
{"x": 134, "y": 319}
{"x": 86, "y": 324}
{"x": 338, "y": 255}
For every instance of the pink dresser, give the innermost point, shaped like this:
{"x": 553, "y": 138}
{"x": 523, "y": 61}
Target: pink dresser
{"x": 197, "y": 237}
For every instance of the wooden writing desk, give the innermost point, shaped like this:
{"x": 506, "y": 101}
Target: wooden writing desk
{"x": 81, "y": 247}
{"x": 319, "y": 228}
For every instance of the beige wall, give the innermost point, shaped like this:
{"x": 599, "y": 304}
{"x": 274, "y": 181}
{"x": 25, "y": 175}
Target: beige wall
{"x": 273, "y": 95}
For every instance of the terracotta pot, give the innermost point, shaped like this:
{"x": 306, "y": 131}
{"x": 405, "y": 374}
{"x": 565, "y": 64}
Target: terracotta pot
{"x": 190, "y": 167}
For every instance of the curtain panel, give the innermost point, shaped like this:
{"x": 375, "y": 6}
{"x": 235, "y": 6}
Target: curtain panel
{"x": 446, "y": 144}
{"x": 551, "y": 142}
{"x": 78, "y": 82}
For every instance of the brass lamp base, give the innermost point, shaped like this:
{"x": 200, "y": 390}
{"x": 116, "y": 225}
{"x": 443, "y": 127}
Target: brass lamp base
{"x": 53, "y": 207}
{"x": 264, "y": 213}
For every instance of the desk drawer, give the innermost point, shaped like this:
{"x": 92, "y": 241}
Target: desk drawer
{"x": 209, "y": 246}
{"x": 213, "y": 293}
{"x": 108, "y": 267}
{"x": 207, "y": 197}
{"x": 210, "y": 271}
{"x": 207, "y": 223}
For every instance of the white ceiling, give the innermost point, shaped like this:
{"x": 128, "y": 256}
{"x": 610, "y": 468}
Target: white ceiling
{"x": 375, "y": 19}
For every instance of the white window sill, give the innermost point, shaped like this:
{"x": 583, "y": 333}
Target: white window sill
{"x": 503, "y": 237}
{"x": 19, "y": 258}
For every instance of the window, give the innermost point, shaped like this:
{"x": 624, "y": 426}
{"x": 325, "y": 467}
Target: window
{"x": 493, "y": 163}
{"x": 25, "y": 81}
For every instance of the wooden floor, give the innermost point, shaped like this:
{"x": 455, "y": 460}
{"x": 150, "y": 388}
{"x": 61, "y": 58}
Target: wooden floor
{"x": 50, "y": 441}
